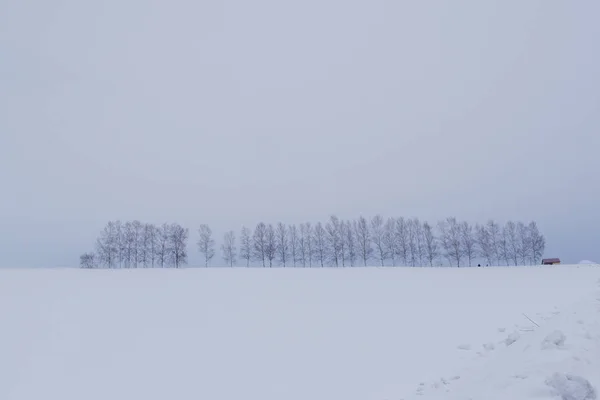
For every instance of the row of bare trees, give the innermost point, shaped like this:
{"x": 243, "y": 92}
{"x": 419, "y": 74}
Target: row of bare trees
{"x": 138, "y": 245}
{"x": 392, "y": 241}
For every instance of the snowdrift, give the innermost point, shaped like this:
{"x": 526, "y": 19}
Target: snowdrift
{"x": 560, "y": 359}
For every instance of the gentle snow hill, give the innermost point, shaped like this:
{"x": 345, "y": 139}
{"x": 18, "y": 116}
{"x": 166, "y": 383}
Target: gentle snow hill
{"x": 293, "y": 334}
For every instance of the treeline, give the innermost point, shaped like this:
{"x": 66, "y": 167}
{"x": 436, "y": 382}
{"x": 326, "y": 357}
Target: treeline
{"x": 138, "y": 245}
{"x": 338, "y": 243}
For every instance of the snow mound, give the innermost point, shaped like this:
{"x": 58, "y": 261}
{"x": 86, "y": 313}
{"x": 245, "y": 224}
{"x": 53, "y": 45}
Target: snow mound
{"x": 513, "y": 337}
{"x": 571, "y": 387}
{"x": 489, "y": 347}
{"x": 554, "y": 340}
{"x": 587, "y": 262}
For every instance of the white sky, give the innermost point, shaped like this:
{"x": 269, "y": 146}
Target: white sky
{"x": 233, "y": 112}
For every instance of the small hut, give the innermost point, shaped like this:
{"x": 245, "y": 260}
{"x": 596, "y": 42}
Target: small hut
{"x": 550, "y": 261}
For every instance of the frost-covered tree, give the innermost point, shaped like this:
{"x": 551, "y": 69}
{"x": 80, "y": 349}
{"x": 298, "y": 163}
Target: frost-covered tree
{"x": 178, "y": 237}
{"x": 163, "y": 251}
{"x": 510, "y": 233}
{"x": 310, "y": 243}
{"x": 412, "y": 242}
{"x": 495, "y": 235}
{"x": 294, "y": 247}
{"x": 484, "y": 244}
{"x": 538, "y": 243}
{"x": 350, "y": 240}
{"x": 137, "y": 233}
{"x": 420, "y": 240}
{"x": 271, "y": 244}
{"x": 206, "y": 243}
{"x": 341, "y": 228}
{"x": 229, "y": 248}
{"x": 363, "y": 239}
{"x": 320, "y": 244}
{"x": 334, "y": 241}
{"x": 431, "y": 244}
{"x": 504, "y": 252}
{"x": 143, "y": 244}
{"x": 469, "y": 243}
{"x": 150, "y": 244}
{"x": 389, "y": 239}
{"x": 402, "y": 241}
{"x": 87, "y": 261}
{"x": 260, "y": 243}
{"x": 246, "y": 245}
{"x": 450, "y": 237}
{"x": 129, "y": 245}
{"x": 282, "y": 244}
{"x": 106, "y": 246}
{"x": 523, "y": 243}
{"x": 304, "y": 244}
{"x": 377, "y": 236}
{"x": 119, "y": 243}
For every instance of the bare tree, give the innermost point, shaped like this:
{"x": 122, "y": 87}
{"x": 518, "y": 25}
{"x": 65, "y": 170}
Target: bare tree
{"x": 458, "y": 249}
{"x": 137, "y": 231}
{"x": 523, "y": 243}
{"x": 119, "y": 243}
{"x": 271, "y": 244}
{"x": 484, "y": 243}
{"x": 310, "y": 248}
{"x": 538, "y": 243}
{"x": 294, "y": 245}
{"x": 378, "y": 235}
{"x": 229, "y": 249}
{"x": 282, "y": 243}
{"x": 420, "y": 240}
{"x": 106, "y": 246}
{"x": 469, "y": 243}
{"x": 350, "y": 239}
{"x": 495, "y": 235}
{"x": 412, "y": 242}
{"x": 452, "y": 240}
{"x": 206, "y": 243}
{"x": 341, "y": 228}
{"x": 162, "y": 252}
{"x": 431, "y": 244}
{"x": 129, "y": 245}
{"x": 389, "y": 239}
{"x": 334, "y": 240}
{"x": 513, "y": 241}
{"x": 445, "y": 240}
{"x": 151, "y": 234}
{"x": 143, "y": 246}
{"x": 320, "y": 244}
{"x": 178, "y": 244}
{"x": 87, "y": 261}
{"x": 504, "y": 252}
{"x": 246, "y": 245}
{"x": 260, "y": 243}
{"x": 303, "y": 245}
{"x": 363, "y": 239}
{"x": 402, "y": 242}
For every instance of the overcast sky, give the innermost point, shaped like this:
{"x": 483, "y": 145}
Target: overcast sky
{"x": 233, "y": 112}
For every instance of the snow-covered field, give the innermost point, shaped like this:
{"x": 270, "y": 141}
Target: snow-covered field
{"x": 298, "y": 334}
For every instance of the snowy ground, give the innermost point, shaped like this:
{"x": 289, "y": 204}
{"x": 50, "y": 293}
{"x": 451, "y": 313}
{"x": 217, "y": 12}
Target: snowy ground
{"x": 294, "y": 334}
